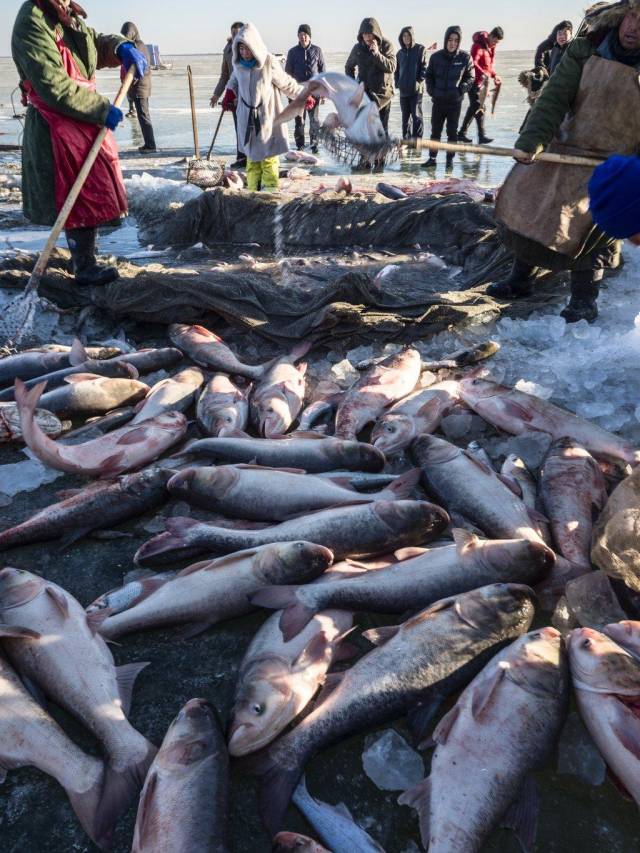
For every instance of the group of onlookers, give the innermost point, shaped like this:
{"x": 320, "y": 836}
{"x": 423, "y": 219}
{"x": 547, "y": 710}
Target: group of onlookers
{"x": 448, "y": 75}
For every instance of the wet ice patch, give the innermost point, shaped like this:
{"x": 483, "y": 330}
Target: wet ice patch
{"x": 390, "y": 763}
{"x": 25, "y": 476}
{"x": 152, "y": 194}
{"x": 577, "y": 753}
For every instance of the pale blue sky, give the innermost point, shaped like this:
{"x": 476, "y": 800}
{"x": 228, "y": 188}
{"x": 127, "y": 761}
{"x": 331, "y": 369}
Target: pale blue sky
{"x": 200, "y": 26}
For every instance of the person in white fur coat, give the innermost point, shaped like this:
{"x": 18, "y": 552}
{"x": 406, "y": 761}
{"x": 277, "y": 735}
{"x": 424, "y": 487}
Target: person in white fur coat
{"x": 255, "y": 91}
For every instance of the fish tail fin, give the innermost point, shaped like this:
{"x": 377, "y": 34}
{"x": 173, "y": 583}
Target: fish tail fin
{"x": 164, "y": 548}
{"x": 27, "y": 401}
{"x": 86, "y": 805}
{"x": 419, "y": 798}
{"x": 120, "y": 789}
{"x": 295, "y": 615}
{"x": 402, "y": 488}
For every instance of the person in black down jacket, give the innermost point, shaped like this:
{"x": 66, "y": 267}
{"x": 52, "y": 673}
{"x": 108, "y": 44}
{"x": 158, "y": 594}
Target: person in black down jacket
{"x": 303, "y": 62}
{"x": 409, "y": 79}
{"x": 140, "y": 91}
{"x": 449, "y": 77}
{"x": 372, "y": 61}
{"x": 552, "y": 49}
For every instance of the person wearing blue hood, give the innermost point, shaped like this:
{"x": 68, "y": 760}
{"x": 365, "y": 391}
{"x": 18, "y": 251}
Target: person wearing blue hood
{"x": 409, "y": 79}
{"x": 449, "y": 76}
{"x": 614, "y": 198}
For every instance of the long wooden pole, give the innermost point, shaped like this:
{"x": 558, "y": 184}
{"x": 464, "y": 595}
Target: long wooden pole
{"x": 215, "y": 135}
{"x": 194, "y": 120}
{"x": 493, "y": 151}
{"x": 92, "y": 156}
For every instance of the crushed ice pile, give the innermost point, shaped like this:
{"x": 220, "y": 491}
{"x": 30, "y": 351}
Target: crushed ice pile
{"x": 153, "y": 194}
{"x": 390, "y": 763}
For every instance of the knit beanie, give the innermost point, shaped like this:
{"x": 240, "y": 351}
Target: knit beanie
{"x": 304, "y": 28}
{"x": 614, "y": 191}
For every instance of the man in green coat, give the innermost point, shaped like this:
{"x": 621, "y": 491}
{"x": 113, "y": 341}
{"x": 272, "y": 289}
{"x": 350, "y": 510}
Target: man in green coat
{"x": 57, "y": 55}
{"x": 590, "y": 107}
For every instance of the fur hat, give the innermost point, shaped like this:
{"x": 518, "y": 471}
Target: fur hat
{"x": 606, "y": 16}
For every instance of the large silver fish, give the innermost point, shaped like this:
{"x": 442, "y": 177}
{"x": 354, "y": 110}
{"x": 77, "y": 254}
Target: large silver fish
{"x": 350, "y": 531}
{"x": 308, "y": 451}
{"x": 606, "y": 679}
{"x": 174, "y": 394}
{"x": 470, "y": 489}
{"x": 85, "y": 394}
{"x": 223, "y": 407}
{"x": 30, "y": 737}
{"x": 412, "y": 584}
{"x": 74, "y": 667}
{"x": 212, "y": 591}
{"x": 184, "y": 805}
{"x": 388, "y": 681}
{"x": 501, "y": 728}
{"x": 264, "y": 494}
{"x": 380, "y": 387}
{"x": 278, "y": 679}
{"x": 276, "y": 399}
{"x": 573, "y": 491}
{"x": 125, "y": 449}
{"x": 208, "y": 350}
{"x": 517, "y": 413}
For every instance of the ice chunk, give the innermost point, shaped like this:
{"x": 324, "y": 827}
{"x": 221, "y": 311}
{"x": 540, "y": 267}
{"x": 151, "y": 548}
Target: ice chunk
{"x": 534, "y": 389}
{"x": 390, "y": 763}
{"x": 363, "y": 353}
{"x": 457, "y": 425}
{"x": 25, "y": 476}
{"x": 577, "y": 753}
{"x": 344, "y": 373}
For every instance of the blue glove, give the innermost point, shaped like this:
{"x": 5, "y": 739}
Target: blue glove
{"x": 130, "y": 55}
{"x": 114, "y": 117}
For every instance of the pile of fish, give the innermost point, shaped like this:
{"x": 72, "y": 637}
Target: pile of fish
{"x": 293, "y": 512}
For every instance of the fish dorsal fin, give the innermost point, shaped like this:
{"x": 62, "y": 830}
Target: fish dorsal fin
{"x": 59, "y": 600}
{"x": 18, "y": 633}
{"x": 463, "y": 539}
{"x": 331, "y": 683}
{"x": 380, "y": 636}
{"x": 478, "y": 463}
{"x": 439, "y": 606}
{"x": 96, "y": 618}
{"x": 77, "y": 353}
{"x": 75, "y": 378}
{"x": 484, "y": 692}
{"x": 443, "y": 729}
{"x": 126, "y": 676}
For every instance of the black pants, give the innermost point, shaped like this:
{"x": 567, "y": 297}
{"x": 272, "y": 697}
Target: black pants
{"x": 144, "y": 118}
{"x": 475, "y": 110}
{"x": 314, "y": 126}
{"x": 412, "y": 122}
{"x": 445, "y": 112}
{"x": 385, "y": 112}
{"x": 240, "y": 155}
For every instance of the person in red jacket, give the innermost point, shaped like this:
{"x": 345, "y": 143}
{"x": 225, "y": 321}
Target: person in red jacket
{"x": 483, "y": 53}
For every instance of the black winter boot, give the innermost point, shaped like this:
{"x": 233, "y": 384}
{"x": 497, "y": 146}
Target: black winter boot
{"x": 87, "y": 270}
{"x": 517, "y": 284}
{"x": 431, "y": 163}
{"x": 583, "y": 305}
{"x": 483, "y": 139}
{"x": 450, "y": 158}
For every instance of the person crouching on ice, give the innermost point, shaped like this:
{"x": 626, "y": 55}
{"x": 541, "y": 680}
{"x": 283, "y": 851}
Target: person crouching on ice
{"x": 56, "y": 55}
{"x": 254, "y": 90}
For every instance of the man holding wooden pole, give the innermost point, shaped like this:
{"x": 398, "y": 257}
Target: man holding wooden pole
{"x": 57, "y": 55}
{"x": 590, "y": 107}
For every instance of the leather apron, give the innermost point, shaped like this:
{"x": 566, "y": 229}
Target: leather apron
{"x": 548, "y": 203}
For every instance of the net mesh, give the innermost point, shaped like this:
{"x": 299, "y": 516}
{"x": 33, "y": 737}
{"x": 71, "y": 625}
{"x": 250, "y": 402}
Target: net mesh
{"x": 358, "y": 156}
{"x": 205, "y": 174}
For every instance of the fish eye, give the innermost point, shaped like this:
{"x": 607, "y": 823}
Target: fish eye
{"x": 586, "y": 643}
{"x": 536, "y": 636}
{"x": 390, "y": 428}
{"x": 258, "y": 708}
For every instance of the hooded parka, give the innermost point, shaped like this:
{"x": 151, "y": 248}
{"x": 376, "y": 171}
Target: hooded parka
{"x": 449, "y": 75}
{"x": 259, "y": 93}
{"x": 39, "y": 61}
{"x": 376, "y": 72}
{"x": 411, "y": 66}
